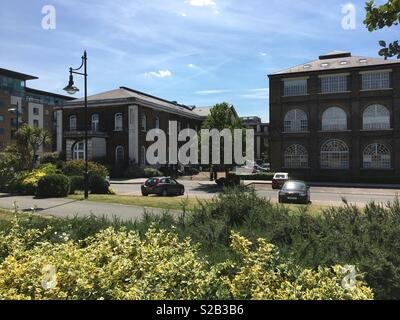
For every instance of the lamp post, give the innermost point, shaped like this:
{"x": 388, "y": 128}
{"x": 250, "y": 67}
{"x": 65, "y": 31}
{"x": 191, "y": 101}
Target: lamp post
{"x": 72, "y": 89}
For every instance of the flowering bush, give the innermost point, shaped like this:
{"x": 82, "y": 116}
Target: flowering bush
{"x": 120, "y": 265}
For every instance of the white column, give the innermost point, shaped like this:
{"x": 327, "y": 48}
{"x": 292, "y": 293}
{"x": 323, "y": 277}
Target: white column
{"x": 59, "y": 116}
{"x": 134, "y": 134}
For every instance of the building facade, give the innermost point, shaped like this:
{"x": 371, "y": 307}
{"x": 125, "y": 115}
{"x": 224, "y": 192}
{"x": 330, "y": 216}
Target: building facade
{"x": 22, "y": 105}
{"x": 261, "y": 137}
{"x": 119, "y": 121}
{"x": 336, "y": 116}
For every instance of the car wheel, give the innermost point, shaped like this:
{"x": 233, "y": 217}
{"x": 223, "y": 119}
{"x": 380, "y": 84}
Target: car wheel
{"x": 165, "y": 193}
{"x": 144, "y": 194}
{"x": 182, "y": 192}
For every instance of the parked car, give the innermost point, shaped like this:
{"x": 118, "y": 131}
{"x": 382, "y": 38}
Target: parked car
{"x": 265, "y": 167}
{"x": 163, "y": 187}
{"x": 279, "y": 180}
{"x": 295, "y": 192}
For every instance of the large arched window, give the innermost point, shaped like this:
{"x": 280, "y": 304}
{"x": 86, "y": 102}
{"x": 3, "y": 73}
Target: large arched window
{"x": 334, "y": 119}
{"x": 377, "y": 156}
{"x": 296, "y": 156}
{"x": 95, "y": 122}
{"x": 119, "y": 154}
{"x": 72, "y": 123}
{"x": 376, "y": 117}
{"x": 335, "y": 155}
{"x": 295, "y": 121}
{"x": 118, "y": 118}
{"x": 78, "y": 151}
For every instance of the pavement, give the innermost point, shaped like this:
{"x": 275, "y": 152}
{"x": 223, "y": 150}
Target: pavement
{"x": 67, "y": 208}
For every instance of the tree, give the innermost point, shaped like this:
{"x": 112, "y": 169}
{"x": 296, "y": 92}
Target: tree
{"x": 28, "y": 141}
{"x": 379, "y": 17}
{"x": 222, "y": 117}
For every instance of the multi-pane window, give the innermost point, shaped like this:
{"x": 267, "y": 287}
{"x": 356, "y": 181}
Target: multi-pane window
{"x": 376, "y": 80}
{"x": 72, "y": 123}
{"x": 376, "y": 117}
{"x": 334, "y": 119}
{"x": 296, "y": 87}
{"x": 95, "y": 122}
{"x": 332, "y": 84}
{"x": 79, "y": 151}
{"x": 119, "y": 154}
{"x": 296, "y": 156}
{"x": 118, "y": 119}
{"x": 335, "y": 155}
{"x": 296, "y": 120}
{"x": 377, "y": 156}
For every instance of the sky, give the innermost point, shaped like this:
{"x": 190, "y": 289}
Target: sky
{"x": 196, "y": 52}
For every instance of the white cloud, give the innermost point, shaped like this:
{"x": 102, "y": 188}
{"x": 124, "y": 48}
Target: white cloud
{"x": 159, "y": 74}
{"x": 263, "y": 54}
{"x": 207, "y": 92}
{"x": 262, "y": 94}
{"x": 183, "y": 14}
{"x": 201, "y": 3}
{"x": 193, "y": 66}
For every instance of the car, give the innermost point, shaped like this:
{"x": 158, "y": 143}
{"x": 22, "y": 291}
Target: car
{"x": 265, "y": 167}
{"x": 295, "y": 192}
{"x": 279, "y": 180}
{"x": 165, "y": 186}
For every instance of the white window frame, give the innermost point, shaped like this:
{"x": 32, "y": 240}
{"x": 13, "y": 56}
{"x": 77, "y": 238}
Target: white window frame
{"x": 377, "y": 156}
{"x": 118, "y": 122}
{"x": 296, "y": 157}
{"x": 376, "y": 80}
{"x": 334, "y": 83}
{"x": 78, "y": 151}
{"x": 376, "y": 117}
{"x": 296, "y": 120}
{"x": 73, "y": 121}
{"x": 295, "y": 87}
{"x": 335, "y": 154}
{"x": 95, "y": 122}
{"x": 334, "y": 119}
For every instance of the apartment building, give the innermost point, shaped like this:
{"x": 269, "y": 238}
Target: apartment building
{"x": 20, "y": 105}
{"x": 261, "y": 137}
{"x": 338, "y": 116}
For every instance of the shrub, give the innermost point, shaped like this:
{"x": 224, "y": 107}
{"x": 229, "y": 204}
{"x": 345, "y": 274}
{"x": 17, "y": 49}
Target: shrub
{"x": 150, "y": 173}
{"x": 52, "y": 158}
{"x": 77, "y": 168}
{"x": 98, "y": 185}
{"x": 53, "y": 186}
{"x": 133, "y": 172}
{"x": 77, "y": 183}
{"x": 27, "y": 182}
{"x": 122, "y": 265}
{"x": 7, "y": 170}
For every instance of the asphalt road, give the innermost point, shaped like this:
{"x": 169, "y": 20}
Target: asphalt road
{"x": 319, "y": 195}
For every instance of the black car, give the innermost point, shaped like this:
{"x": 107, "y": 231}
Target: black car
{"x": 162, "y": 187}
{"x": 295, "y": 192}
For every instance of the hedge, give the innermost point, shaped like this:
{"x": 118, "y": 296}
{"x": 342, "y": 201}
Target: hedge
{"x": 53, "y": 186}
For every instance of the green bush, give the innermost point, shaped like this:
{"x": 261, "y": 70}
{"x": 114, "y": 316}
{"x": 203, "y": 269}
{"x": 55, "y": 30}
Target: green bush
{"x": 53, "y": 186}
{"x": 52, "y": 158}
{"x": 150, "y": 173}
{"x": 159, "y": 266}
{"x": 98, "y": 185}
{"x": 77, "y": 183}
{"x": 77, "y": 168}
{"x": 7, "y": 170}
{"x": 134, "y": 172}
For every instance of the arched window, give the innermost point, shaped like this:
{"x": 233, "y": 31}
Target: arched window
{"x": 377, "y": 156}
{"x": 119, "y": 154}
{"x": 72, "y": 123}
{"x": 95, "y": 122}
{"x": 143, "y": 123}
{"x": 78, "y": 151}
{"x": 335, "y": 155}
{"x": 118, "y": 122}
{"x": 295, "y": 121}
{"x": 143, "y": 156}
{"x": 157, "y": 123}
{"x": 334, "y": 119}
{"x": 376, "y": 117}
{"x": 296, "y": 156}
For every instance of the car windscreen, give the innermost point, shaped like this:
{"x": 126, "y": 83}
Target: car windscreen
{"x": 151, "y": 182}
{"x": 298, "y": 186}
{"x": 280, "y": 176}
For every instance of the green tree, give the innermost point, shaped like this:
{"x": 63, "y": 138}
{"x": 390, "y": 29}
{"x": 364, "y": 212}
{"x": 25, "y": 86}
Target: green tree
{"x": 222, "y": 116}
{"x": 28, "y": 141}
{"x": 379, "y": 17}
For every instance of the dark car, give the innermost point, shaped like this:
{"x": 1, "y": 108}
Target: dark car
{"x": 295, "y": 192}
{"x": 162, "y": 187}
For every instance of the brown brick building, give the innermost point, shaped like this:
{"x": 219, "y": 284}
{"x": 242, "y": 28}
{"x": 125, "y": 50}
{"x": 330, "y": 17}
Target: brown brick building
{"x": 337, "y": 116}
{"x": 261, "y": 137}
{"x": 119, "y": 121}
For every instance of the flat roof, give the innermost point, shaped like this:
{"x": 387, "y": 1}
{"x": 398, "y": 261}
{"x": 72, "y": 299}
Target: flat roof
{"x": 16, "y": 75}
{"x": 50, "y": 94}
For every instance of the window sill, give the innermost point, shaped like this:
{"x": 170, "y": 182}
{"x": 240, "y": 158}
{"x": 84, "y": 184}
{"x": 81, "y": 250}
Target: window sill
{"x": 336, "y": 92}
{"x": 374, "y": 130}
{"x": 334, "y": 131}
{"x": 377, "y": 169}
{"x": 382, "y": 89}
{"x": 302, "y": 95}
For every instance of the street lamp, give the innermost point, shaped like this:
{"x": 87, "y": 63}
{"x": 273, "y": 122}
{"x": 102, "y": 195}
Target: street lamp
{"x": 72, "y": 89}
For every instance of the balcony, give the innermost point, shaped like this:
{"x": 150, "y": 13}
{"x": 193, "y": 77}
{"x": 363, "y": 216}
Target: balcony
{"x": 79, "y": 132}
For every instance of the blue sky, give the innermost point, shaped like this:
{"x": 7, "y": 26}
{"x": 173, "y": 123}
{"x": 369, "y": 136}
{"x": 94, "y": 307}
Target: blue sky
{"x": 198, "y": 52}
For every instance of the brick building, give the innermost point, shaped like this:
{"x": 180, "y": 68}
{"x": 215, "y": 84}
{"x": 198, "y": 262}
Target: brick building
{"x": 337, "y": 116}
{"x": 35, "y": 107}
{"x": 261, "y": 137}
{"x": 119, "y": 121}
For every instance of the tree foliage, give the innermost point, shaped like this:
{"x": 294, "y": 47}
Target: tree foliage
{"x": 379, "y": 17}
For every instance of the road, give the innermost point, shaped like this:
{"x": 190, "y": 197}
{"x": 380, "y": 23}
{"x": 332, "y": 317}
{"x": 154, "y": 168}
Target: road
{"x": 319, "y": 195}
